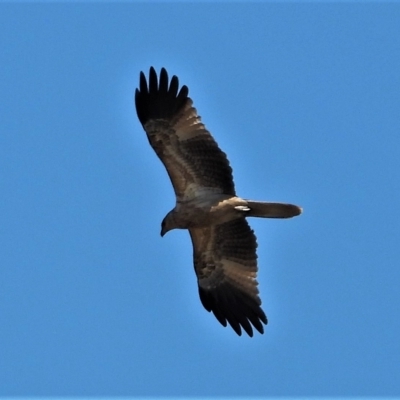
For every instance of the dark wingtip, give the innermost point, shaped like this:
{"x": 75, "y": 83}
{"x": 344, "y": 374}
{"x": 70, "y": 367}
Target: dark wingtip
{"x": 232, "y": 306}
{"x": 155, "y": 100}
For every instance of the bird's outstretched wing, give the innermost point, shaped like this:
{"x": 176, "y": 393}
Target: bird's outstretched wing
{"x": 225, "y": 262}
{"x": 193, "y": 160}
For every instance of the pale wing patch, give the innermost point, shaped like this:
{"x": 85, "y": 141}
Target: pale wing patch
{"x": 189, "y": 125}
{"x": 211, "y": 275}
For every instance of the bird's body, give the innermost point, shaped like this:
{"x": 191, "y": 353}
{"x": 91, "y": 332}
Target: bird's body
{"x": 212, "y": 209}
{"x": 224, "y": 246}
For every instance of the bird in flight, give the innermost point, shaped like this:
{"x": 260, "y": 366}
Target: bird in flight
{"x": 224, "y": 245}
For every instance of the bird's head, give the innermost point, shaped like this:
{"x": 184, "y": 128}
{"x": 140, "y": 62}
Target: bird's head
{"x": 168, "y": 223}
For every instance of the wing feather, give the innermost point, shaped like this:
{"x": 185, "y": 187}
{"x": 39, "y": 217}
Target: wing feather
{"x": 225, "y": 262}
{"x": 188, "y": 151}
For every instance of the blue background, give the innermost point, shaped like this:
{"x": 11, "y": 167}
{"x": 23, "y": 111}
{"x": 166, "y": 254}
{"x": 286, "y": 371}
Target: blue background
{"x": 304, "y": 99}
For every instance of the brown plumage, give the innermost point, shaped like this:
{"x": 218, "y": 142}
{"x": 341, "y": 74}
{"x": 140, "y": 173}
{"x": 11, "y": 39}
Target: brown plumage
{"x": 224, "y": 246}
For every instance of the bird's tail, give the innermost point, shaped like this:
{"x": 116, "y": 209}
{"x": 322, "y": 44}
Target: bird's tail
{"x": 272, "y": 210}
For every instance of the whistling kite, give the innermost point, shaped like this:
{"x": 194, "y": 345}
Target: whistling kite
{"x": 224, "y": 246}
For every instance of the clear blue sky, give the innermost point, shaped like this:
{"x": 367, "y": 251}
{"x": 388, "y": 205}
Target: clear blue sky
{"x": 304, "y": 99}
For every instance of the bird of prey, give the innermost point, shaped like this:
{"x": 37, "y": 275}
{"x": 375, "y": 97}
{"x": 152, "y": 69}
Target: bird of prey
{"x": 224, "y": 245}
